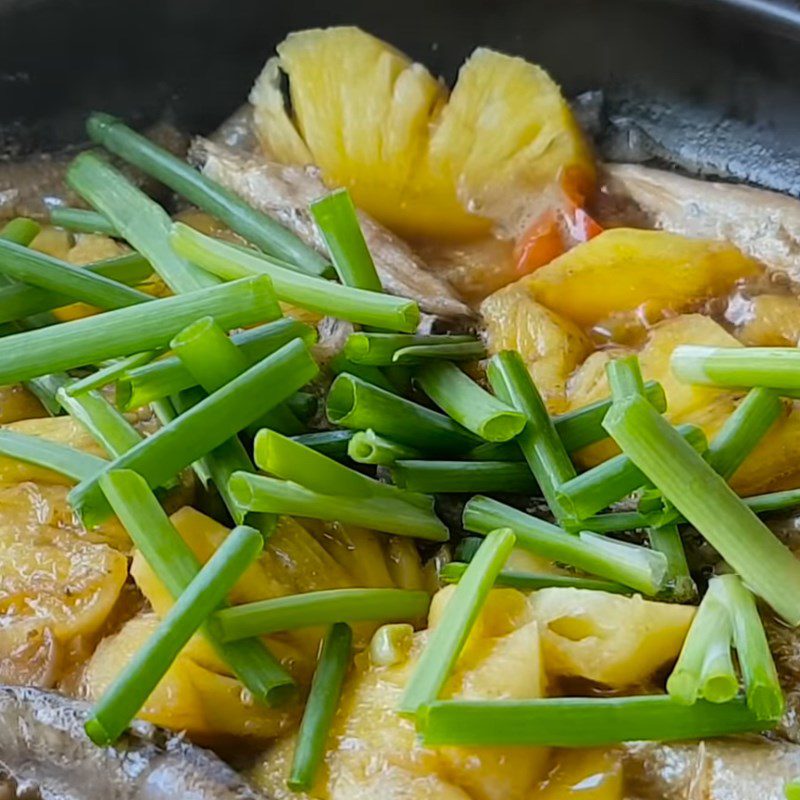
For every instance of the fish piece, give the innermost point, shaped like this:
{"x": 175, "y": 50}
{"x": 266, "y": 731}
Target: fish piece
{"x": 763, "y": 224}
{"x": 284, "y": 193}
{"x": 42, "y": 742}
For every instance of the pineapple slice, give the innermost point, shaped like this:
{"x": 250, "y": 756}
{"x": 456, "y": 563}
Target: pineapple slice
{"x": 585, "y": 775}
{"x": 649, "y": 273}
{"x": 607, "y": 638}
{"x": 420, "y": 163}
{"x": 773, "y": 320}
{"x": 17, "y": 403}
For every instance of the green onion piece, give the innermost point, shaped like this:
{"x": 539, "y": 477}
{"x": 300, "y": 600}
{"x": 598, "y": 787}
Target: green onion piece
{"x": 333, "y": 444}
{"x": 612, "y": 480}
{"x": 580, "y": 721}
{"x": 129, "y": 691}
{"x": 20, "y": 230}
{"x": 204, "y": 426}
{"x": 326, "y": 687}
{"x": 354, "y": 403}
{"x": 447, "y": 639}
{"x": 168, "y": 376}
{"x": 531, "y": 581}
{"x": 46, "y": 389}
{"x": 325, "y": 607}
{"x": 176, "y": 566}
{"x": 467, "y": 403}
{"x": 704, "y": 668}
{"x": 667, "y": 540}
{"x": 336, "y": 219}
{"x": 434, "y": 477}
{"x": 325, "y": 297}
{"x": 110, "y": 373}
{"x": 67, "y": 461}
{"x": 398, "y": 513}
{"x": 743, "y": 430}
{"x": 708, "y": 503}
{"x": 52, "y": 274}
{"x": 773, "y": 501}
{"x": 106, "y": 425}
{"x": 147, "y": 326}
{"x": 339, "y": 364}
{"x": 366, "y": 447}
{"x": 303, "y": 405}
{"x": 495, "y": 451}
{"x": 82, "y": 221}
{"x": 139, "y": 220}
{"x": 380, "y": 349}
{"x": 264, "y": 232}
{"x": 19, "y": 300}
{"x": 762, "y": 687}
{"x": 539, "y": 441}
{"x": 792, "y": 789}
{"x": 611, "y": 522}
{"x": 769, "y": 367}
{"x": 620, "y": 562}
{"x": 625, "y": 377}
{"x": 421, "y": 353}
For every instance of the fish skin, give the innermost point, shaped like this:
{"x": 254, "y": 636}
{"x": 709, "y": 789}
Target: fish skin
{"x": 284, "y": 193}
{"x": 42, "y": 742}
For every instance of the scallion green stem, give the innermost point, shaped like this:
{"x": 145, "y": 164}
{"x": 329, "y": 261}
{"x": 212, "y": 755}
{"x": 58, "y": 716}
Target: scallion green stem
{"x": 467, "y": 403}
{"x": 110, "y": 373}
{"x": 20, "y": 230}
{"x": 168, "y": 376}
{"x": 367, "y": 447}
{"x": 792, "y": 789}
{"x": 176, "y": 566}
{"x": 82, "y": 220}
{"x": 67, "y": 461}
{"x": 264, "y": 232}
{"x": 129, "y": 691}
{"x": 381, "y": 349}
{"x": 333, "y": 444}
{"x": 205, "y": 426}
{"x": 769, "y": 367}
{"x": 435, "y": 477}
{"x": 326, "y": 687}
{"x": 667, "y": 540}
{"x": 708, "y": 503}
{"x": 422, "y": 353}
{"x": 610, "y": 522}
{"x": 580, "y": 721}
{"x": 339, "y": 364}
{"x": 447, "y": 639}
{"x": 314, "y": 294}
{"x": 620, "y": 562}
{"x": 354, "y": 403}
{"x": 325, "y": 607}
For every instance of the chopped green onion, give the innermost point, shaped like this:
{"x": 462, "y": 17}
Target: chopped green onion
{"x": 176, "y": 566}
{"x": 204, "y": 426}
{"x": 353, "y": 403}
{"x": 434, "y": 477}
{"x": 303, "y": 405}
{"x": 539, "y": 441}
{"x": 339, "y": 364}
{"x": 67, "y": 461}
{"x": 625, "y": 377}
{"x": 54, "y": 275}
{"x": 743, "y": 430}
{"x": 20, "y": 230}
{"x": 146, "y": 326}
{"x": 168, "y": 376}
{"x": 708, "y": 503}
{"x": 326, "y": 686}
{"x": 704, "y": 668}
{"x": 336, "y": 219}
{"x": 792, "y": 789}
{"x": 106, "y": 425}
{"x": 495, "y": 451}
{"x": 530, "y": 581}
{"x": 667, "y": 540}
{"x": 580, "y": 721}
{"x": 421, "y": 353}
{"x": 264, "y": 232}
{"x": 366, "y": 447}
{"x": 621, "y": 562}
{"x": 611, "y": 522}
{"x": 325, "y": 607}
{"x": 46, "y": 389}
{"x": 770, "y": 367}
{"x": 315, "y": 294}
{"x": 381, "y": 349}
{"x": 110, "y": 373}
{"x": 773, "y": 501}
{"x": 82, "y": 221}
{"x": 130, "y": 689}
{"x": 19, "y": 300}
{"x": 399, "y": 513}
{"x": 334, "y": 444}
{"x": 762, "y": 687}
{"x": 467, "y": 403}
{"x": 447, "y": 639}
{"x": 613, "y": 479}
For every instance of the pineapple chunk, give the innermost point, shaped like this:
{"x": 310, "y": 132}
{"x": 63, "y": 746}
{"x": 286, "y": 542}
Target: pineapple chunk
{"x": 651, "y": 273}
{"x": 17, "y": 403}
{"x": 610, "y": 639}
{"x": 551, "y": 345}
{"x": 773, "y": 320}
{"x": 421, "y": 164}
{"x": 584, "y": 775}
{"x": 53, "y": 242}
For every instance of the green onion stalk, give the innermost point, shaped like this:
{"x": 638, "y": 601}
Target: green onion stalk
{"x": 738, "y": 367}
{"x": 385, "y": 349}
{"x": 667, "y": 540}
{"x": 73, "y": 464}
{"x": 367, "y": 447}
{"x": 334, "y": 444}
{"x": 82, "y": 220}
{"x": 435, "y": 477}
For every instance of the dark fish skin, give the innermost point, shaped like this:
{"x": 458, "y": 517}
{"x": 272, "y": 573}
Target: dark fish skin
{"x": 42, "y": 742}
